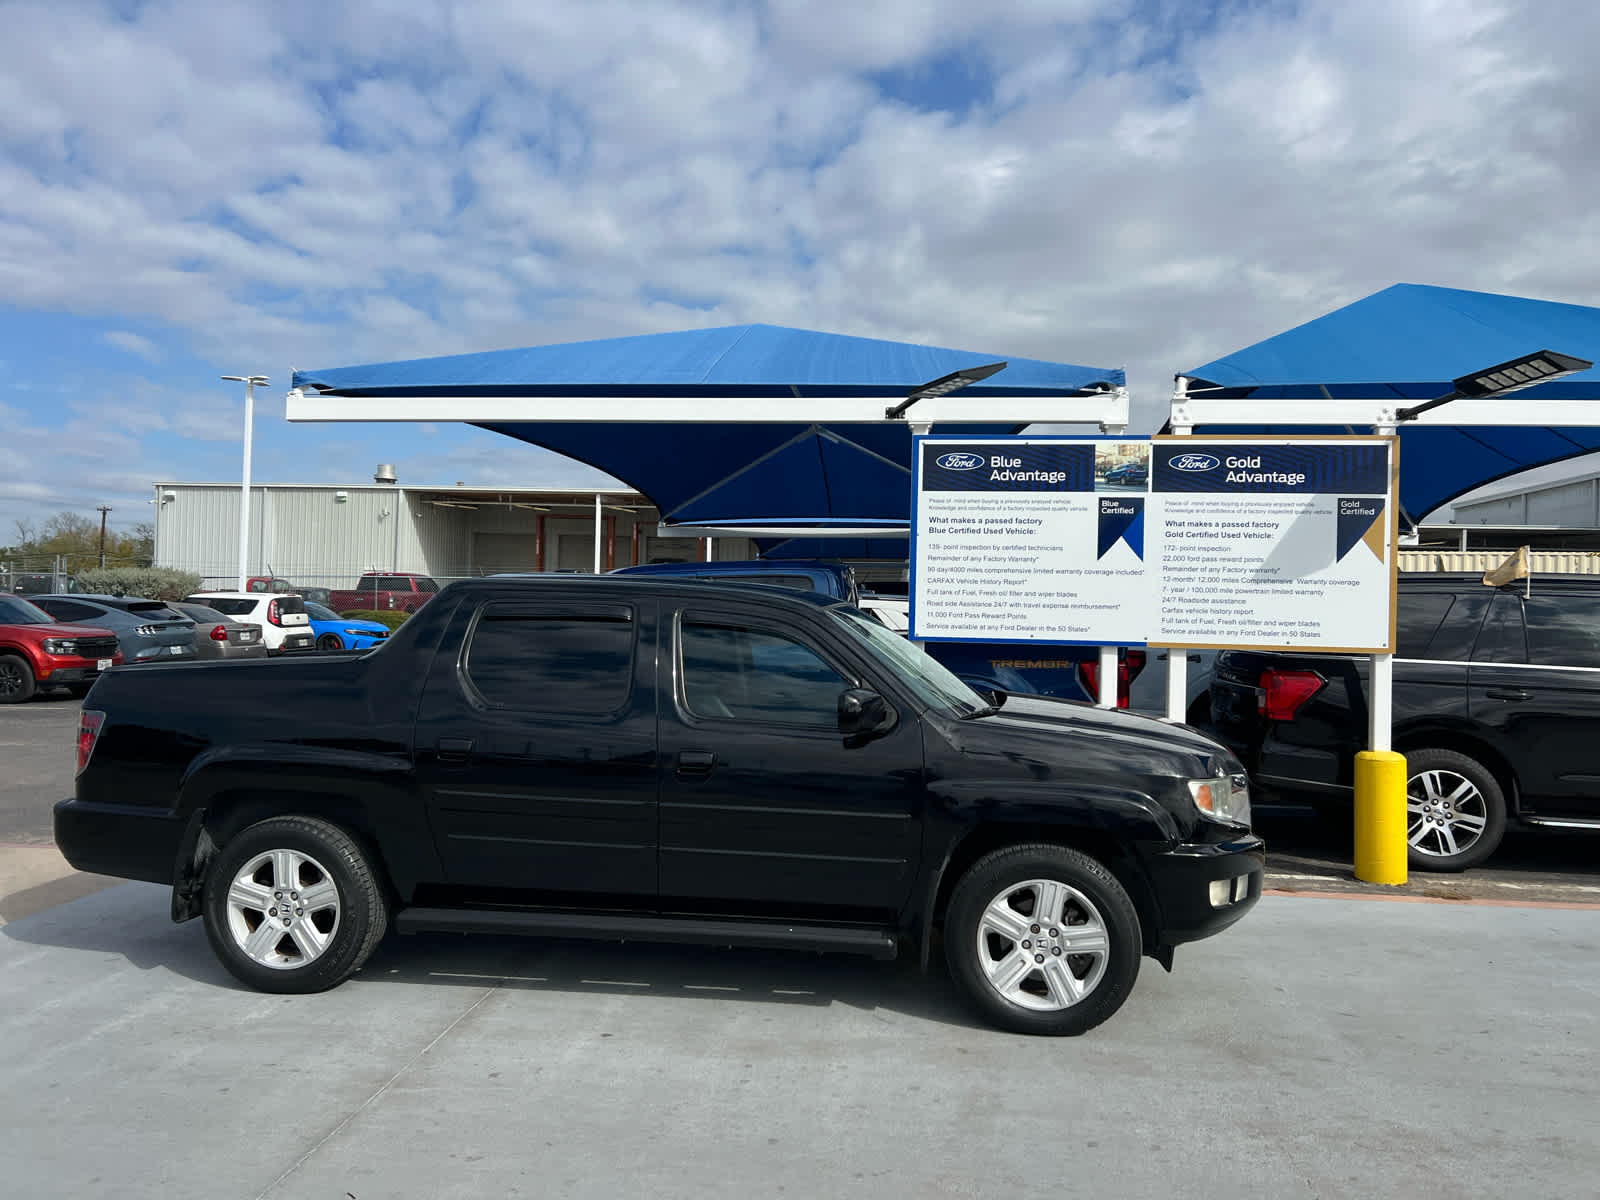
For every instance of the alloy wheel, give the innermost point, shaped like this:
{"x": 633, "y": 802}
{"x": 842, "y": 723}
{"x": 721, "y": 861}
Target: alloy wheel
{"x": 283, "y": 909}
{"x": 1446, "y": 813}
{"x": 1042, "y": 945}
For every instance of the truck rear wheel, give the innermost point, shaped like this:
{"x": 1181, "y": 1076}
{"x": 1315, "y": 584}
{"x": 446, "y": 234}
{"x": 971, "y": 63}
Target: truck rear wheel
{"x": 292, "y": 904}
{"x": 1043, "y": 939}
{"x": 16, "y": 679}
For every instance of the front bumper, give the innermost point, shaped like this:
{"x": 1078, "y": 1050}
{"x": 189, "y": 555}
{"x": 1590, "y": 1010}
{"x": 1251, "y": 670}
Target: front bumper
{"x": 72, "y": 670}
{"x": 1183, "y": 878}
{"x": 119, "y": 839}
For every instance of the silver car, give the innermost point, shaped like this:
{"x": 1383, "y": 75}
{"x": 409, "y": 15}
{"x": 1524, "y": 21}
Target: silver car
{"x": 147, "y": 630}
{"x": 217, "y": 635}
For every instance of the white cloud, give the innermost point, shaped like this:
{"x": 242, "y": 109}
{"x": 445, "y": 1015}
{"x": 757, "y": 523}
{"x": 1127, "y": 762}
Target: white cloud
{"x": 133, "y": 344}
{"x": 1151, "y": 185}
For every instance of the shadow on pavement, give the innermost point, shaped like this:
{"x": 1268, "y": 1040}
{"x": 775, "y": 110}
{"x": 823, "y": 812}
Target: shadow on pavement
{"x": 132, "y": 921}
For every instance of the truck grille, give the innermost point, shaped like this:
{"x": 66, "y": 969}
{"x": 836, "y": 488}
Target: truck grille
{"x": 95, "y": 647}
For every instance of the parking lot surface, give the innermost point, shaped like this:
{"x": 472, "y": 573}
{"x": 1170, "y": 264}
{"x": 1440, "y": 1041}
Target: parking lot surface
{"x": 1321, "y": 1048}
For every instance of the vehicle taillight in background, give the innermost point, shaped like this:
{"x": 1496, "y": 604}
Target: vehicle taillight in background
{"x": 272, "y": 613}
{"x": 1281, "y": 693}
{"x": 1129, "y": 664}
{"x": 89, "y": 723}
{"x": 219, "y": 633}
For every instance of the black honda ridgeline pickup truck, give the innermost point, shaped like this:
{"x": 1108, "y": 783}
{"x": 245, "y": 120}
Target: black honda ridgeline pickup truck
{"x": 643, "y": 758}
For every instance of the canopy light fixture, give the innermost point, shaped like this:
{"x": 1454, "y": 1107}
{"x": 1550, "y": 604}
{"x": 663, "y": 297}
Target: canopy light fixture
{"x": 1539, "y": 367}
{"x": 943, "y": 386}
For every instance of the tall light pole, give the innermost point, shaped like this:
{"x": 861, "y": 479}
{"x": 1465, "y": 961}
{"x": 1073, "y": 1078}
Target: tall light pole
{"x": 249, "y": 382}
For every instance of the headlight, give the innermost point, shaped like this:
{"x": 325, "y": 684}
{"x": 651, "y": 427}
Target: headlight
{"x": 59, "y": 646}
{"x": 1223, "y": 797}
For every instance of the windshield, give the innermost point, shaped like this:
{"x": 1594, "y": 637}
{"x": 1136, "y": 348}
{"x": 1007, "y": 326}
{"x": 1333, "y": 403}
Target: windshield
{"x": 14, "y": 611}
{"x": 925, "y": 675}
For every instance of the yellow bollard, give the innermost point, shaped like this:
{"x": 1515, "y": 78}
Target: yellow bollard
{"x": 1381, "y": 817}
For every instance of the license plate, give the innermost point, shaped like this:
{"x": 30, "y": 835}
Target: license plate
{"x": 174, "y": 649}
{"x": 102, "y": 664}
{"x": 247, "y": 637}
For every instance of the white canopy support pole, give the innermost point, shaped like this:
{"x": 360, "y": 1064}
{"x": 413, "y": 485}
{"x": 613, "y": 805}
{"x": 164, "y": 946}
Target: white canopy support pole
{"x": 1178, "y": 659}
{"x": 599, "y": 526}
{"x": 1108, "y": 678}
{"x": 1380, "y": 713}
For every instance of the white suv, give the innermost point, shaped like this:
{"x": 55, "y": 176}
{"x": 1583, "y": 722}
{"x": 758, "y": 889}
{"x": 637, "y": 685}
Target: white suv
{"x": 283, "y": 620}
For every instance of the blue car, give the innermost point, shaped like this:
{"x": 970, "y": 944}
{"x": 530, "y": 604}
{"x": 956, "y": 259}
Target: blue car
{"x": 343, "y": 633}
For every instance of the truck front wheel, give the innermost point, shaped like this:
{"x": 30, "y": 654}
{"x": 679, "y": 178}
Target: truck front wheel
{"x": 293, "y": 905}
{"x": 16, "y": 679}
{"x": 1042, "y": 939}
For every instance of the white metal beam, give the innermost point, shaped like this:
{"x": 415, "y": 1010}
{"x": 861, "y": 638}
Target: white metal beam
{"x": 1102, "y": 408}
{"x": 1196, "y": 409}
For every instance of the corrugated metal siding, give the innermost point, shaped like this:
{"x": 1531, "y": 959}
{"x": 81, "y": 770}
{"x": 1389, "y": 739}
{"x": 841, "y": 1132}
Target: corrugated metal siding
{"x": 1540, "y": 562}
{"x": 311, "y": 537}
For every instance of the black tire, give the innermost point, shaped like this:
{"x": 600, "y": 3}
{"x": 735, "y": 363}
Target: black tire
{"x": 1090, "y": 896}
{"x": 1455, "y": 811}
{"x": 330, "y": 641}
{"x": 16, "y": 679}
{"x": 317, "y": 851}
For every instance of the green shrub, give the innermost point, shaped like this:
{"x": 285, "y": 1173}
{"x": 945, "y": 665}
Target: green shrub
{"x": 392, "y": 618}
{"x": 154, "y": 583}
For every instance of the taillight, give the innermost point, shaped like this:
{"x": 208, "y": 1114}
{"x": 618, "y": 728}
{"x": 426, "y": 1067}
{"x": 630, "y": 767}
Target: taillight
{"x": 272, "y": 613}
{"x": 1281, "y": 693}
{"x": 1128, "y": 665}
{"x": 219, "y": 633}
{"x": 89, "y": 723}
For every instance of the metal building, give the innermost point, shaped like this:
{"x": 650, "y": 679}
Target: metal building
{"x": 323, "y": 535}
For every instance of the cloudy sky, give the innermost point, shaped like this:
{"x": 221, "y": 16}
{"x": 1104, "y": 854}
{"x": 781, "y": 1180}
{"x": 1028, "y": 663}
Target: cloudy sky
{"x": 193, "y": 189}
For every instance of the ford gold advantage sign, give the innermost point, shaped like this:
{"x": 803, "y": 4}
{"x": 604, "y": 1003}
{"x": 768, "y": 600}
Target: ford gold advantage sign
{"x": 1283, "y": 542}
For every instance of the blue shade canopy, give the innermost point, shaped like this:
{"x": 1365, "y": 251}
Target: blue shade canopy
{"x": 1407, "y": 343}
{"x": 713, "y": 469}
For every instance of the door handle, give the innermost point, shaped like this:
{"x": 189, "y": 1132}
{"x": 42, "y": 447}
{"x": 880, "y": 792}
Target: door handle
{"x": 1508, "y": 694}
{"x": 695, "y": 764}
{"x": 454, "y": 749}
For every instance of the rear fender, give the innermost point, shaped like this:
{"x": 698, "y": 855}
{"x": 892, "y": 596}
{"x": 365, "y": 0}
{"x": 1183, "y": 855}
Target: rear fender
{"x": 373, "y": 795}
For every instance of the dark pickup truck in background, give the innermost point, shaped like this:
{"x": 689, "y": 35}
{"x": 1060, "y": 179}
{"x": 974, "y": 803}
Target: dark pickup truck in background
{"x": 642, "y": 758}
{"x": 1496, "y": 709}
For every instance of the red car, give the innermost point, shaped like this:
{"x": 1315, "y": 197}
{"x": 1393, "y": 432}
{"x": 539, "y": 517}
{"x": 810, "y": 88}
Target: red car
{"x": 37, "y": 651}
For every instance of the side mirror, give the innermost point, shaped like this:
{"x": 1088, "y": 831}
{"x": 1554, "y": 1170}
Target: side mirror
{"x": 863, "y": 714}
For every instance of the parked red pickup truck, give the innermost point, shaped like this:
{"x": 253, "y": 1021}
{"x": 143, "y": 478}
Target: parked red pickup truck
{"x": 375, "y": 591}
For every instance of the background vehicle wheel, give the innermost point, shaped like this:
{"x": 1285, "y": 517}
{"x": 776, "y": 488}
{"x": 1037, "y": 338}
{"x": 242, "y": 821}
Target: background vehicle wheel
{"x": 1455, "y": 810}
{"x": 292, "y": 905}
{"x": 16, "y": 679}
{"x": 330, "y": 641}
{"x": 1042, "y": 939}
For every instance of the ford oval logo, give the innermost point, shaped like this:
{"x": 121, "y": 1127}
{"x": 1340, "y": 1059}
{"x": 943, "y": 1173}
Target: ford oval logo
{"x": 1194, "y": 462}
{"x": 960, "y": 461}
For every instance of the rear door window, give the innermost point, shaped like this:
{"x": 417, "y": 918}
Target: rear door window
{"x": 1502, "y": 638}
{"x": 568, "y": 661}
{"x": 1453, "y": 633}
{"x": 233, "y": 606}
{"x": 71, "y": 610}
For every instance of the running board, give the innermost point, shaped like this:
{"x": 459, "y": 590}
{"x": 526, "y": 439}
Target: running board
{"x": 615, "y": 927}
{"x": 1563, "y": 822}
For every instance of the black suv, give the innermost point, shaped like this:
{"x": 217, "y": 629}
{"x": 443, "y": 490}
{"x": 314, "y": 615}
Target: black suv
{"x": 1496, "y": 708}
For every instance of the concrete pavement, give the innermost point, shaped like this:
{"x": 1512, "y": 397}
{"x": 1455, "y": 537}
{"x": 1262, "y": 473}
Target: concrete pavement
{"x": 1321, "y": 1048}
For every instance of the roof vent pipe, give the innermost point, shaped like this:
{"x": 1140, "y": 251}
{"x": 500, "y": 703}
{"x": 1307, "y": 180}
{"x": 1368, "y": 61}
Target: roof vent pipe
{"x": 385, "y": 474}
